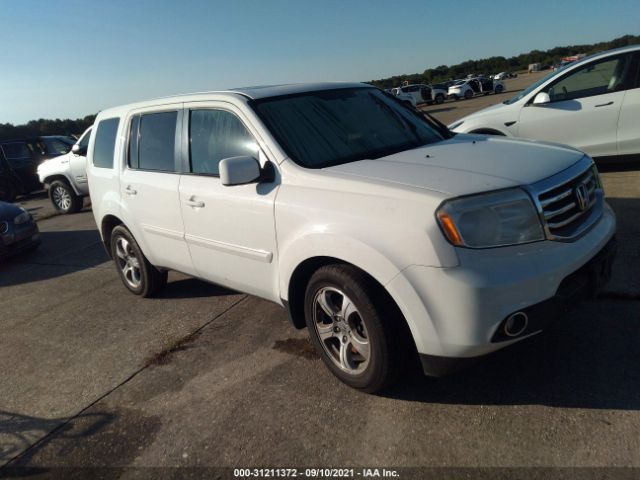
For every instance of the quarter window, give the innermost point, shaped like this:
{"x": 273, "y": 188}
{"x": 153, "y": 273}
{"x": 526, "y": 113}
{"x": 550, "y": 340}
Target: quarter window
{"x": 596, "y": 78}
{"x": 105, "y": 143}
{"x": 215, "y": 135}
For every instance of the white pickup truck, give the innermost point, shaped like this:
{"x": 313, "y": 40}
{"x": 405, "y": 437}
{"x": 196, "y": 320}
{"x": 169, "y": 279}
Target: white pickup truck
{"x": 65, "y": 177}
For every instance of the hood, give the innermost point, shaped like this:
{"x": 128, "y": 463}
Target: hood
{"x": 467, "y": 164}
{"x": 53, "y": 161}
{"x": 9, "y": 211}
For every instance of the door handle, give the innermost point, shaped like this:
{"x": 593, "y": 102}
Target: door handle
{"x": 130, "y": 191}
{"x": 194, "y": 203}
{"x": 605, "y": 104}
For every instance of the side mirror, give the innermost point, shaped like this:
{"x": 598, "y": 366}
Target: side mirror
{"x": 541, "y": 99}
{"x": 239, "y": 170}
{"x": 78, "y": 150}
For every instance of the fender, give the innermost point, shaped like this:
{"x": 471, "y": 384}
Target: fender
{"x": 369, "y": 260}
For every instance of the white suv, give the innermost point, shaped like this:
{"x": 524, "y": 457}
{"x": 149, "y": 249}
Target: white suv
{"x": 65, "y": 176}
{"x": 375, "y": 227}
{"x": 592, "y": 104}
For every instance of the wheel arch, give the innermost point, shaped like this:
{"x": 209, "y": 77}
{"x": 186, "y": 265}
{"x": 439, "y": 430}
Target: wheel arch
{"x": 49, "y": 179}
{"x": 488, "y": 131}
{"x": 109, "y": 222}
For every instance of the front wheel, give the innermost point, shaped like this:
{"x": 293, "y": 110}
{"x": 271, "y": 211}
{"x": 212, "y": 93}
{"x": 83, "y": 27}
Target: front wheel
{"x": 63, "y": 198}
{"x": 355, "y": 332}
{"x": 439, "y": 98}
{"x": 137, "y": 274}
{"x": 468, "y": 94}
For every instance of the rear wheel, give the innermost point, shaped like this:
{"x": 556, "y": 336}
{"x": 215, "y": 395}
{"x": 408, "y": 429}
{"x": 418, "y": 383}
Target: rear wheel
{"x": 439, "y": 98}
{"x": 137, "y": 274}
{"x": 63, "y": 198}
{"x": 359, "y": 336}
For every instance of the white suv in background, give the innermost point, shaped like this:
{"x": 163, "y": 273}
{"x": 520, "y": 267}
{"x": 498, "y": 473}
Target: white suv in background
{"x": 386, "y": 236}
{"x": 65, "y": 176}
{"x": 592, "y": 104}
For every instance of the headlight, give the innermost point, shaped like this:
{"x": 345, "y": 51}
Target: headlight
{"x": 24, "y": 217}
{"x": 506, "y": 217}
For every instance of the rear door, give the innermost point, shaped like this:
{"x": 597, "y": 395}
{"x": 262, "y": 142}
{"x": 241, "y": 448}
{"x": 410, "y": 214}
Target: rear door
{"x": 584, "y": 108}
{"x": 149, "y": 186}
{"x": 230, "y": 230}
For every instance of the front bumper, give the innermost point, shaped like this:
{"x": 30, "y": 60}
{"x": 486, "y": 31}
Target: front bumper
{"x": 581, "y": 285}
{"x": 19, "y": 239}
{"x": 457, "y": 312}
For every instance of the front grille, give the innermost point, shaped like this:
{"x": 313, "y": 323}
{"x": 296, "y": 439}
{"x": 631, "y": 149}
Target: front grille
{"x": 571, "y": 207}
{"x": 4, "y": 228}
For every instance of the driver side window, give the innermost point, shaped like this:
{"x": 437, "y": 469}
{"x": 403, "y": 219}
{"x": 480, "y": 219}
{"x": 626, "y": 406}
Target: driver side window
{"x": 595, "y": 78}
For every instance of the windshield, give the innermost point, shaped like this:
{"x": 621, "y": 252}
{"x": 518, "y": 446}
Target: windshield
{"x": 532, "y": 87}
{"x": 330, "y": 127}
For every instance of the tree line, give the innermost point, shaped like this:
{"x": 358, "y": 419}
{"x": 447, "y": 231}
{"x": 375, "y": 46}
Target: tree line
{"x": 492, "y": 65}
{"x": 36, "y": 128}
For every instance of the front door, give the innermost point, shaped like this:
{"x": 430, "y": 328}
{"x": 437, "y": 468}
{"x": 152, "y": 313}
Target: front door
{"x": 230, "y": 230}
{"x": 584, "y": 108}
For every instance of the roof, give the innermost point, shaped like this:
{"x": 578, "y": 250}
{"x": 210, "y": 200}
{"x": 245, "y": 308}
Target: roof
{"x": 253, "y": 93}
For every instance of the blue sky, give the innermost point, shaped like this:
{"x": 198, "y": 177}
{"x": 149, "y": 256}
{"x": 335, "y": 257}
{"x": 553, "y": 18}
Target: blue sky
{"x": 70, "y": 58}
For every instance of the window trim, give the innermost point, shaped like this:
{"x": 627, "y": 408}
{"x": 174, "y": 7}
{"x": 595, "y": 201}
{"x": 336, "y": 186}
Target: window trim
{"x": 177, "y": 151}
{"x": 187, "y": 166}
{"x": 573, "y": 71}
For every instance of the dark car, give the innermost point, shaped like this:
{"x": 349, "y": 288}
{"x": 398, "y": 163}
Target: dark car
{"x": 24, "y": 156}
{"x": 18, "y": 230}
{"x": 10, "y": 183}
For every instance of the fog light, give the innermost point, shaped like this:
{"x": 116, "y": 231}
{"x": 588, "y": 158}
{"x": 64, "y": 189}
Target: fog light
{"x": 516, "y": 324}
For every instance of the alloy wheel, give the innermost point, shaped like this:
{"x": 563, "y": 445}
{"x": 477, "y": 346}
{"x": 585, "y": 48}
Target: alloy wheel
{"x": 341, "y": 330}
{"x": 128, "y": 262}
{"x": 62, "y": 198}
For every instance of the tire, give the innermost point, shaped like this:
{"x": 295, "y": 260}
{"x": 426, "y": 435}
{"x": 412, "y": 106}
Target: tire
{"x": 468, "y": 94}
{"x": 63, "y": 198}
{"x": 439, "y": 98}
{"x": 7, "y": 191}
{"x": 136, "y": 273}
{"x": 498, "y": 89}
{"x": 367, "y": 349}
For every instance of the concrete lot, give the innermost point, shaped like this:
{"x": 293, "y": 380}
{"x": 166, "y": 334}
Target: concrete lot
{"x": 204, "y": 377}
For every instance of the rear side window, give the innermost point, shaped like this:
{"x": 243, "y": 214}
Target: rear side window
{"x": 215, "y": 135}
{"x": 152, "y": 141}
{"x": 105, "y": 143}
